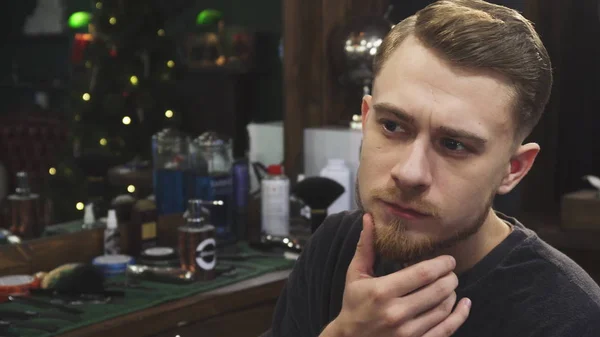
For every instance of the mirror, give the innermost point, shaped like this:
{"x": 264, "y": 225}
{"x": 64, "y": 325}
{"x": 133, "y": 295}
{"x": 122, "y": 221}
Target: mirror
{"x": 83, "y": 94}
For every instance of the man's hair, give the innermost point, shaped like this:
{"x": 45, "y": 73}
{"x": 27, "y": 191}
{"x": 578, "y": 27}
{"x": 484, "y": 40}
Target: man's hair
{"x": 475, "y": 34}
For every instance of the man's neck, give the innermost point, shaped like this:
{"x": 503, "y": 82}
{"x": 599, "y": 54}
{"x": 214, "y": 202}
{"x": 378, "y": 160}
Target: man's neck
{"x": 469, "y": 252}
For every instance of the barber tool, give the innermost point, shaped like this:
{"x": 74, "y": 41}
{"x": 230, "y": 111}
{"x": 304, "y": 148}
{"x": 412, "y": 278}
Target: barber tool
{"x": 159, "y": 257}
{"x": 4, "y": 324}
{"x": 318, "y": 193}
{"x": 79, "y": 281}
{"x": 71, "y": 298}
{"x": 18, "y": 314}
{"x": 43, "y": 304}
{"x": 160, "y": 274}
{"x": 288, "y": 243}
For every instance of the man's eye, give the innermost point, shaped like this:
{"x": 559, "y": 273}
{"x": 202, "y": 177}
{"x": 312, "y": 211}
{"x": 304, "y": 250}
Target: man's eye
{"x": 453, "y": 145}
{"x": 391, "y": 126}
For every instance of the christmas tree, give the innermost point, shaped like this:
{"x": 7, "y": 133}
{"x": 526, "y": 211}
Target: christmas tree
{"x": 123, "y": 63}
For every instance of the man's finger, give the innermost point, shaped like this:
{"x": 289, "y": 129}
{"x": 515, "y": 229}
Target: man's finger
{"x": 417, "y": 276}
{"x": 453, "y": 322}
{"x": 429, "y": 319}
{"x": 361, "y": 265}
{"x": 431, "y": 295}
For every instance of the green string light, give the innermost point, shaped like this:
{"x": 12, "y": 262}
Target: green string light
{"x": 209, "y": 17}
{"x": 79, "y": 20}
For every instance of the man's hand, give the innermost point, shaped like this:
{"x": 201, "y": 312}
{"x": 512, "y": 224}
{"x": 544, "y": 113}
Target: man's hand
{"x": 416, "y": 301}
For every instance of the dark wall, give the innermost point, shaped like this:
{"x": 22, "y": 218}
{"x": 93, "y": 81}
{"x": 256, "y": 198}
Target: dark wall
{"x": 406, "y": 8}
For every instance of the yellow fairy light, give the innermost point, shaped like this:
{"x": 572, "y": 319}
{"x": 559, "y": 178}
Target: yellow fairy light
{"x": 112, "y": 20}
{"x": 98, "y": 5}
{"x": 170, "y": 63}
{"x": 126, "y": 120}
{"x": 86, "y": 97}
{"x": 130, "y": 188}
{"x": 52, "y": 171}
{"x": 161, "y": 32}
{"x": 169, "y": 113}
{"x": 134, "y": 80}
{"x": 103, "y": 141}
{"x": 79, "y": 206}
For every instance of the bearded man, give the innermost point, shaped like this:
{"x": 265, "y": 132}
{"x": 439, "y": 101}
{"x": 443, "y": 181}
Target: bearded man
{"x": 458, "y": 87}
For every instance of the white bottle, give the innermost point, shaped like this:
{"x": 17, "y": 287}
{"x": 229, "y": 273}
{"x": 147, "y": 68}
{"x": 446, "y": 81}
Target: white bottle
{"x": 337, "y": 170}
{"x": 88, "y": 217}
{"x": 275, "y": 202}
{"x": 112, "y": 237}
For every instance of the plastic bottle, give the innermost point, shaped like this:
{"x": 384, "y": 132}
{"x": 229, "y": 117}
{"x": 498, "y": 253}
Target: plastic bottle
{"x": 89, "y": 220}
{"x": 275, "y": 202}
{"x": 112, "y": 237}
{"x": 337, "y": 170}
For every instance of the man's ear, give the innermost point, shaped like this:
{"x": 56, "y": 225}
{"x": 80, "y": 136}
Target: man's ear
{"x": 364, "y": 108}
{"x": 519, "y": 166}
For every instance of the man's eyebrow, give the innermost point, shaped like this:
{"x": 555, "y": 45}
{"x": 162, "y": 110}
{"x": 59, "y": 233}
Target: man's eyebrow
{"x": 462, "y": 134}
{"x": 394, "y": 110}
{"x": 450, "y": 132}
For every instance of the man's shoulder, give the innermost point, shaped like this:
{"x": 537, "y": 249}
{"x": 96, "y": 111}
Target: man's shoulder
{"x": 540, "y": 290}
{"x": 548, "y": 287}
{"x": 564, "y": 278}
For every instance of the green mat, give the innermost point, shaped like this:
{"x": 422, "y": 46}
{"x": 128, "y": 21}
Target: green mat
{"x": 139, "y": 299}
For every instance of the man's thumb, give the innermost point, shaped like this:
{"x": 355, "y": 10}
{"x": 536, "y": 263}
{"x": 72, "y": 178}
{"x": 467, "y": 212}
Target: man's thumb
{"x": 361, "y": 265}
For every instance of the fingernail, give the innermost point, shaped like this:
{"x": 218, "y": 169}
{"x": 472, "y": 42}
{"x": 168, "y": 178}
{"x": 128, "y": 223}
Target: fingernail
{"x": 452, "y": 261}
{"x": 468, "y": 303}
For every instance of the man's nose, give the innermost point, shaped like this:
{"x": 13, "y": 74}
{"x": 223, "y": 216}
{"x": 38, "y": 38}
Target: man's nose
{"x": 413, "y": 170}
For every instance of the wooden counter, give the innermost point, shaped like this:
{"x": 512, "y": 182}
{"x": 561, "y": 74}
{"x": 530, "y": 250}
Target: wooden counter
{"x": 242, "y": 309}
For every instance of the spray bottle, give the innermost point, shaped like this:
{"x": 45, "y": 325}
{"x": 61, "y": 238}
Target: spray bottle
{"x": 112, "y": 237}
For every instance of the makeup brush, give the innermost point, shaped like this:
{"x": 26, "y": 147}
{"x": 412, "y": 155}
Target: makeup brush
{"x": 318, "y": 193}
{"x": 76, "y": 280}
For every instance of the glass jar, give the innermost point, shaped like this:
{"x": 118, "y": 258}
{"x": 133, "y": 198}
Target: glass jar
{"x": 209, "y": 178}
{"x": 169, "y": 159}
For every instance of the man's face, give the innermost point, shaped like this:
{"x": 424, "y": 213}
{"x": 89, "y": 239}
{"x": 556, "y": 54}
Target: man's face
{"x": 436, "y": 146}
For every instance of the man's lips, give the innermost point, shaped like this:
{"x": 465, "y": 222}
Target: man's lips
{"x": 403, "y": 211}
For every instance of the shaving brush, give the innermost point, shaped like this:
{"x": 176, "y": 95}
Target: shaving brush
{"x": 318, "y": 193}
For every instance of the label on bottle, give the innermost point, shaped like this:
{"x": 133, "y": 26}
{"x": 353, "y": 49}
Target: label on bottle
{"x": 112, "y": 241}
{"x": 148, "y": 230}
{"x": 275, "y": 206}
{"x": 206, "y": 257}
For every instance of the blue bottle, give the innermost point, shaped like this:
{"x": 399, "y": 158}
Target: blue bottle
{"x": 169, "y": 159}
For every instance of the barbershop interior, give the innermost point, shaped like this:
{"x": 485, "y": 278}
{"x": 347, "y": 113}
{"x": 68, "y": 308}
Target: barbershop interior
{"x": 164, "y": 164}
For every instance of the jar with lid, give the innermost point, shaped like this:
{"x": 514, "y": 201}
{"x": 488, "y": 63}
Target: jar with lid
{"x": 209, "y": 178}
{"x": 169, "y": 159}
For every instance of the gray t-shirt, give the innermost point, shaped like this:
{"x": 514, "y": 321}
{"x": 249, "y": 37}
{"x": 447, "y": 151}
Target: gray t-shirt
{"x": 522, "y": 288}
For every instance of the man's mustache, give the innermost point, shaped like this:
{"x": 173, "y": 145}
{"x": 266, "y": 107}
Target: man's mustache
{"x": 408, "y": 200}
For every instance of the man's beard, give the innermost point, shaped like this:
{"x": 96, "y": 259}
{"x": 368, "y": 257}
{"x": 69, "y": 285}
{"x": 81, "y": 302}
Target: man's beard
{"x": 392, "y": 242}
